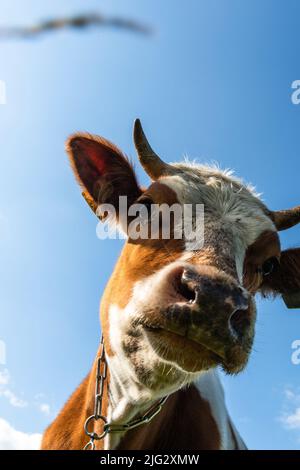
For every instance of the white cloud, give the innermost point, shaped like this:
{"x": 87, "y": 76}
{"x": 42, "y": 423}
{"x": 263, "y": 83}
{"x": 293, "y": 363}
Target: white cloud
{"x": 4, "y": 377}
{"x": 292, "y": 421}
{"x": 290, "y": 417}
{"x": 13, "y": 399}
{"x": 42, "y": 405}
{"x": 6, "y": 392}
{"x": 45, "y": 409}
{"x": 11, "y": 439}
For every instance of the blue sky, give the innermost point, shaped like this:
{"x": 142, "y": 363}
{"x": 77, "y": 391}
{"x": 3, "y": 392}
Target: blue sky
{"x": 213, "y": 82}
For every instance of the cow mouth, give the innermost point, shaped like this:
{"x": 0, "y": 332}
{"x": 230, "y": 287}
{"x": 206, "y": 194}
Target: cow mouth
{"x": 183, "y": 340}
{"x": 196, "y": 347}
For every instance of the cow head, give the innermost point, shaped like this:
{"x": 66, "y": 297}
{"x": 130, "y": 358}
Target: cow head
{"x": 171, "y": 309}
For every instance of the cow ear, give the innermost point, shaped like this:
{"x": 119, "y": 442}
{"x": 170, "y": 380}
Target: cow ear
{"x": 102, "y": 171}
{"x": 285, "y": 280}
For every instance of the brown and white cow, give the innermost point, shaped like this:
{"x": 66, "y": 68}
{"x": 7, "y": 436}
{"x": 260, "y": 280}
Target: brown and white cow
{"x": 171, "y": 314}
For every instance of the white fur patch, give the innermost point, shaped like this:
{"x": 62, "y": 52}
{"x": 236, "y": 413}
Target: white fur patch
{"x": 211, "y": 390}
{"x": 229, "y": 205}
{"x": 129, "y": 396}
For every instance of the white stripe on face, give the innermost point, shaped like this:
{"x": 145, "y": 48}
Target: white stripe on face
{"x": 230, "y": 207}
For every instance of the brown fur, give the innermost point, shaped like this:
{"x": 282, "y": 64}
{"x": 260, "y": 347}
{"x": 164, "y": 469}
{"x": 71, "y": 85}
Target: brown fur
{"x": 66, "y": 432}
{"x": 266, "y": 246}
{"x": 185, "y": 423}
{"x": 286, "y": 279}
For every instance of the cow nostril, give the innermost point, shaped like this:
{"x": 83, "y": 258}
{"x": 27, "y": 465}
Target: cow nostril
{"x": 187, "y": 293}
{"x": 184, "y": 289}
{"x": 239, "y": 323}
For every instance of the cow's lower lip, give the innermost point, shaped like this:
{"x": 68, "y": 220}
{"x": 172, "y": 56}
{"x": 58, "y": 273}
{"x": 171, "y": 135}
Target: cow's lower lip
{"x": 180, "y": 337}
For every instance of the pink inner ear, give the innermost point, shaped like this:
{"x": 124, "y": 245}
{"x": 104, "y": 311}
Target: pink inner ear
{"x": 89, "y": 151}
{"x": 97, "y": 155}
{"x": 99, "y": 165}
{"x": 91, "y": 160}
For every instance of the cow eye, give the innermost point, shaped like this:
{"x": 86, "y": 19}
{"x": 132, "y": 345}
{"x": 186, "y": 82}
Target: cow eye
{"x": 269, "y": 266}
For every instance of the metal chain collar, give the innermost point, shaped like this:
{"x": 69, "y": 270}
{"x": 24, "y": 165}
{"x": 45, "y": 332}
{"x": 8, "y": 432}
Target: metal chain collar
{"x": 101, "y": 375}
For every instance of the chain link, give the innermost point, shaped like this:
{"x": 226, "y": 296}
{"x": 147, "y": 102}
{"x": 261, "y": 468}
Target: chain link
{"x": 101, "y": 375}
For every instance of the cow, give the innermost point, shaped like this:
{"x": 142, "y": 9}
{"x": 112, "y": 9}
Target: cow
{"x": 173, "y": 312}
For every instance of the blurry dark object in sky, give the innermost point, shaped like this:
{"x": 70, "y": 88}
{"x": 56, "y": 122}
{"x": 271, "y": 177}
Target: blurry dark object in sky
{"x": 75, "y": 22}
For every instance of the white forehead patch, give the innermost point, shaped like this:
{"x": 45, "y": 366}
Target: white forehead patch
{"x": 229, "y": 205}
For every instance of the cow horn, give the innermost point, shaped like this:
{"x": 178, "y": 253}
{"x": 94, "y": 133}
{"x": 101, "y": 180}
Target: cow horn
{"x": 150, "y": 161}
{"x": 287, "y": 218}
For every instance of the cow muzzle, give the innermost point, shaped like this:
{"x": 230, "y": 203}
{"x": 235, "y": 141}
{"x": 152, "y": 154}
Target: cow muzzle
{"x": 209, "y": 309}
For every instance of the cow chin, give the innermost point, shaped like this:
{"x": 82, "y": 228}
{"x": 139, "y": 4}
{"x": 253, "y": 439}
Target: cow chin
{"x": 192, "y": 356}
{"x": 182, "y": 352}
